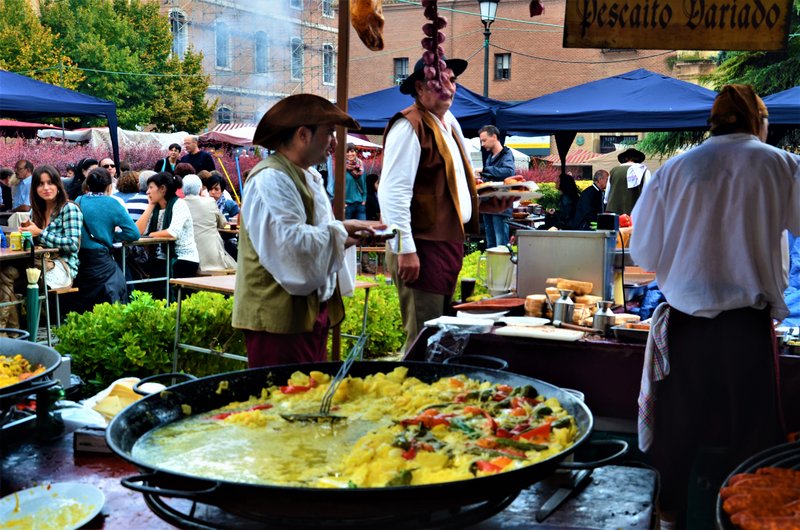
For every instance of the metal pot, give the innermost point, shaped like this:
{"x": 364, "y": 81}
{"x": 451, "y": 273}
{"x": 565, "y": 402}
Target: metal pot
{"x": 363, "y": 504}
{"x": 35, "y": 354}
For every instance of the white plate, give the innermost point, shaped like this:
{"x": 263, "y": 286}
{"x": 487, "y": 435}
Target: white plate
{"x": 484, "y": 324}
{"x": 531, "y": 322}
{"x": 488, "y": 314}
{"x": 62, "y": 506}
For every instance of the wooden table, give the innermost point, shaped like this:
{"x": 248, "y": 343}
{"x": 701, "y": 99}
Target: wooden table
{"x": 215, "y": 284}
{"x": 225, "y": 285}
{"x": 6, "y": 254}
{"x": 143, "y": 241}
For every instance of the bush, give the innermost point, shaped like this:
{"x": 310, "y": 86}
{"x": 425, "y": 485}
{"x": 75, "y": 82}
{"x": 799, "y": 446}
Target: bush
{"x": 136, "y": 339}
{"x": 384, "y": 324}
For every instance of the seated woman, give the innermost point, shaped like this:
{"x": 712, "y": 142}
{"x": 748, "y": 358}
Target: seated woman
{"x": 57, "y": 223}
{"x": 216, "y": 189}
{"x": 206, "y": 219}
{"x": 99, "y": 278}
{"x": 168, "y": 216}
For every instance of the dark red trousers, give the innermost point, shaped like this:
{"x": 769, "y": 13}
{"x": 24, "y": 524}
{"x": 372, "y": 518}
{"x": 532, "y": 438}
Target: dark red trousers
{"x": 270, "y": 349}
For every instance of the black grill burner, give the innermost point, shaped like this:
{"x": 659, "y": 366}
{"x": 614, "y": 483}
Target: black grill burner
{"x": 193, "y": 515}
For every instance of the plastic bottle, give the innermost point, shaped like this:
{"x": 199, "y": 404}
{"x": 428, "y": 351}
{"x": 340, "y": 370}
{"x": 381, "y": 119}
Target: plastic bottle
{"x": 27, "y": 241}
{"x": 15, "y": 240}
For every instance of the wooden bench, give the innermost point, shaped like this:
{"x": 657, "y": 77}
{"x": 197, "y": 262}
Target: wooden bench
{"x": 57, "y": 293}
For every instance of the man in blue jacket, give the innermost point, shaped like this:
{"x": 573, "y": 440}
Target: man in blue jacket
{"x": 499, "y": 166}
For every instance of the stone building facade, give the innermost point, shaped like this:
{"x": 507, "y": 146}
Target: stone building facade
{"x": 258, "y": 51}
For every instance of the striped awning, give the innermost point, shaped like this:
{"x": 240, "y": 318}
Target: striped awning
{"x": 575, "y": 157}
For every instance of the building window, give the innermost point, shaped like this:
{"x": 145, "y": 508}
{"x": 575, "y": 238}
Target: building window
{"x": 297, "y": 59}
{"x": 261, "y": 53}
{"x": 222, "y": 45}
{"x": 296, "y": 4}
{"x": 327, "y": 8}
{"x": 179, "y": 30}
{"x": 224, "y": 114}
{"x": 400, "y": 69}
{"x": 610, "y": 143}
{"x": 502, "y": 69}
{"x": 328, "y": 65}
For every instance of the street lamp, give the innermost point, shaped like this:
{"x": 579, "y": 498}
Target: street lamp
{"x": 488, "y": 13}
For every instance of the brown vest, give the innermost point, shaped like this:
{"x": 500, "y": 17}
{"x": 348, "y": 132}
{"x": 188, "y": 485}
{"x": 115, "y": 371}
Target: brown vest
{"x": 259, "y": 302}
{"x": 435, "y": 213}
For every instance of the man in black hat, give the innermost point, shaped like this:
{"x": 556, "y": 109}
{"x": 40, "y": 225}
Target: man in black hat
{"x": 428, "y": 192}
{"x": 291, "y": 248}
{"x": 626, "y": 182}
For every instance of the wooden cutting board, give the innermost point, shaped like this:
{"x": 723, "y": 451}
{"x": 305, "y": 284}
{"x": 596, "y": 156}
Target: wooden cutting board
{"x": 545, "y": 332}
{"x": 493, "y": 303}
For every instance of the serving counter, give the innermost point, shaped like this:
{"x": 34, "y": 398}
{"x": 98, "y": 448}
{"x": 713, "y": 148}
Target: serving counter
{"x": 607, "y": 371}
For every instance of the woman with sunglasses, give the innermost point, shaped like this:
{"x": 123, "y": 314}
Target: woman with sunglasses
{"x": 56, "y": 221}
{"x": 168, "y": 164}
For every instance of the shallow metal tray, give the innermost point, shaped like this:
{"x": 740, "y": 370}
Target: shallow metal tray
{"x": 630, "y": 334}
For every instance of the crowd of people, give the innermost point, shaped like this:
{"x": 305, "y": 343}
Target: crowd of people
{"x": 87, "y": 213}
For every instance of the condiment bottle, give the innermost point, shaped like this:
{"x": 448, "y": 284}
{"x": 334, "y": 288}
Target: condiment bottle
{"x": 27, "y": 241}
{"x": 15, "y": 240}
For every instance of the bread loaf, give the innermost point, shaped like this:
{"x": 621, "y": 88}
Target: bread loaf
{"x": 577, "y": 287}
{"x": 588, "y": 299}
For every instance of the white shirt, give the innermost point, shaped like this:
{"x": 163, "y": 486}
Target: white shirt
{"x": 711, "y": 225}
{"x": 181, "y": 228}
{"x": 400, "y": 162}
{"x": 302, "y": 257}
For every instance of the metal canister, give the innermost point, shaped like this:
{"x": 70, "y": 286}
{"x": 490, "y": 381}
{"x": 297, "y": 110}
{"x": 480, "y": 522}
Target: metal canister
{"x": 15, "y": 240}
{"x": 564, "y": 307}
{"x": 604, "y": 318}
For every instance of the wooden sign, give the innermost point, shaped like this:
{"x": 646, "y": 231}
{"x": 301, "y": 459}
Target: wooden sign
{"x": 677, "y": 24}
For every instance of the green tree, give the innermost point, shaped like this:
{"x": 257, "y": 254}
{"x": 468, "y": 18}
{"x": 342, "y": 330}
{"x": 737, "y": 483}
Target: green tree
{"x": 123, "y": 47}
{"x": 28, "y": 47}
{"x": 181, "y": 105}
{"x": 768, "y": 72}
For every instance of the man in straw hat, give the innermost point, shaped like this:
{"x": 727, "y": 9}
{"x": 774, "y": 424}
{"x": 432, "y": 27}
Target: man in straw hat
{"x": 711, "y": 223}
{"x": 428, "y": 192}
{"x": 290, "y": 246}
{"x": 626, "y": 181}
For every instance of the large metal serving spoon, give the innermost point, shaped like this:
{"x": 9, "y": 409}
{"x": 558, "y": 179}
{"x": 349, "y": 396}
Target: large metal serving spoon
{"x": 324, "y": 414}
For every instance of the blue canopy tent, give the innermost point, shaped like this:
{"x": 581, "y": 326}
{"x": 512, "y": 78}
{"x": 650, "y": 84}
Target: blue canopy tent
{"x": 26, "y": 98}
{"x": 639, "y": 100}
{"x": 374, "y": 110}
{"x": 784, "y": 107}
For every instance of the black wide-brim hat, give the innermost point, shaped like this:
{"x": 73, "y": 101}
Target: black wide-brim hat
{"x": 636, "y": 156}
{"x": 407, "y": 86}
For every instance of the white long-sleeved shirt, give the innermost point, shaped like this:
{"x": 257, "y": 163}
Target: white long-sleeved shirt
{"x": 302, "y": 257}
{"x": 711, "y": 225}
{"x": 400, "y": 163}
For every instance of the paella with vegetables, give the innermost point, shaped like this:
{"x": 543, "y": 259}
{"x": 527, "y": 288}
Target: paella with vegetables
{"x": 15, "y": 369}
{"x": 395, "y": 430}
